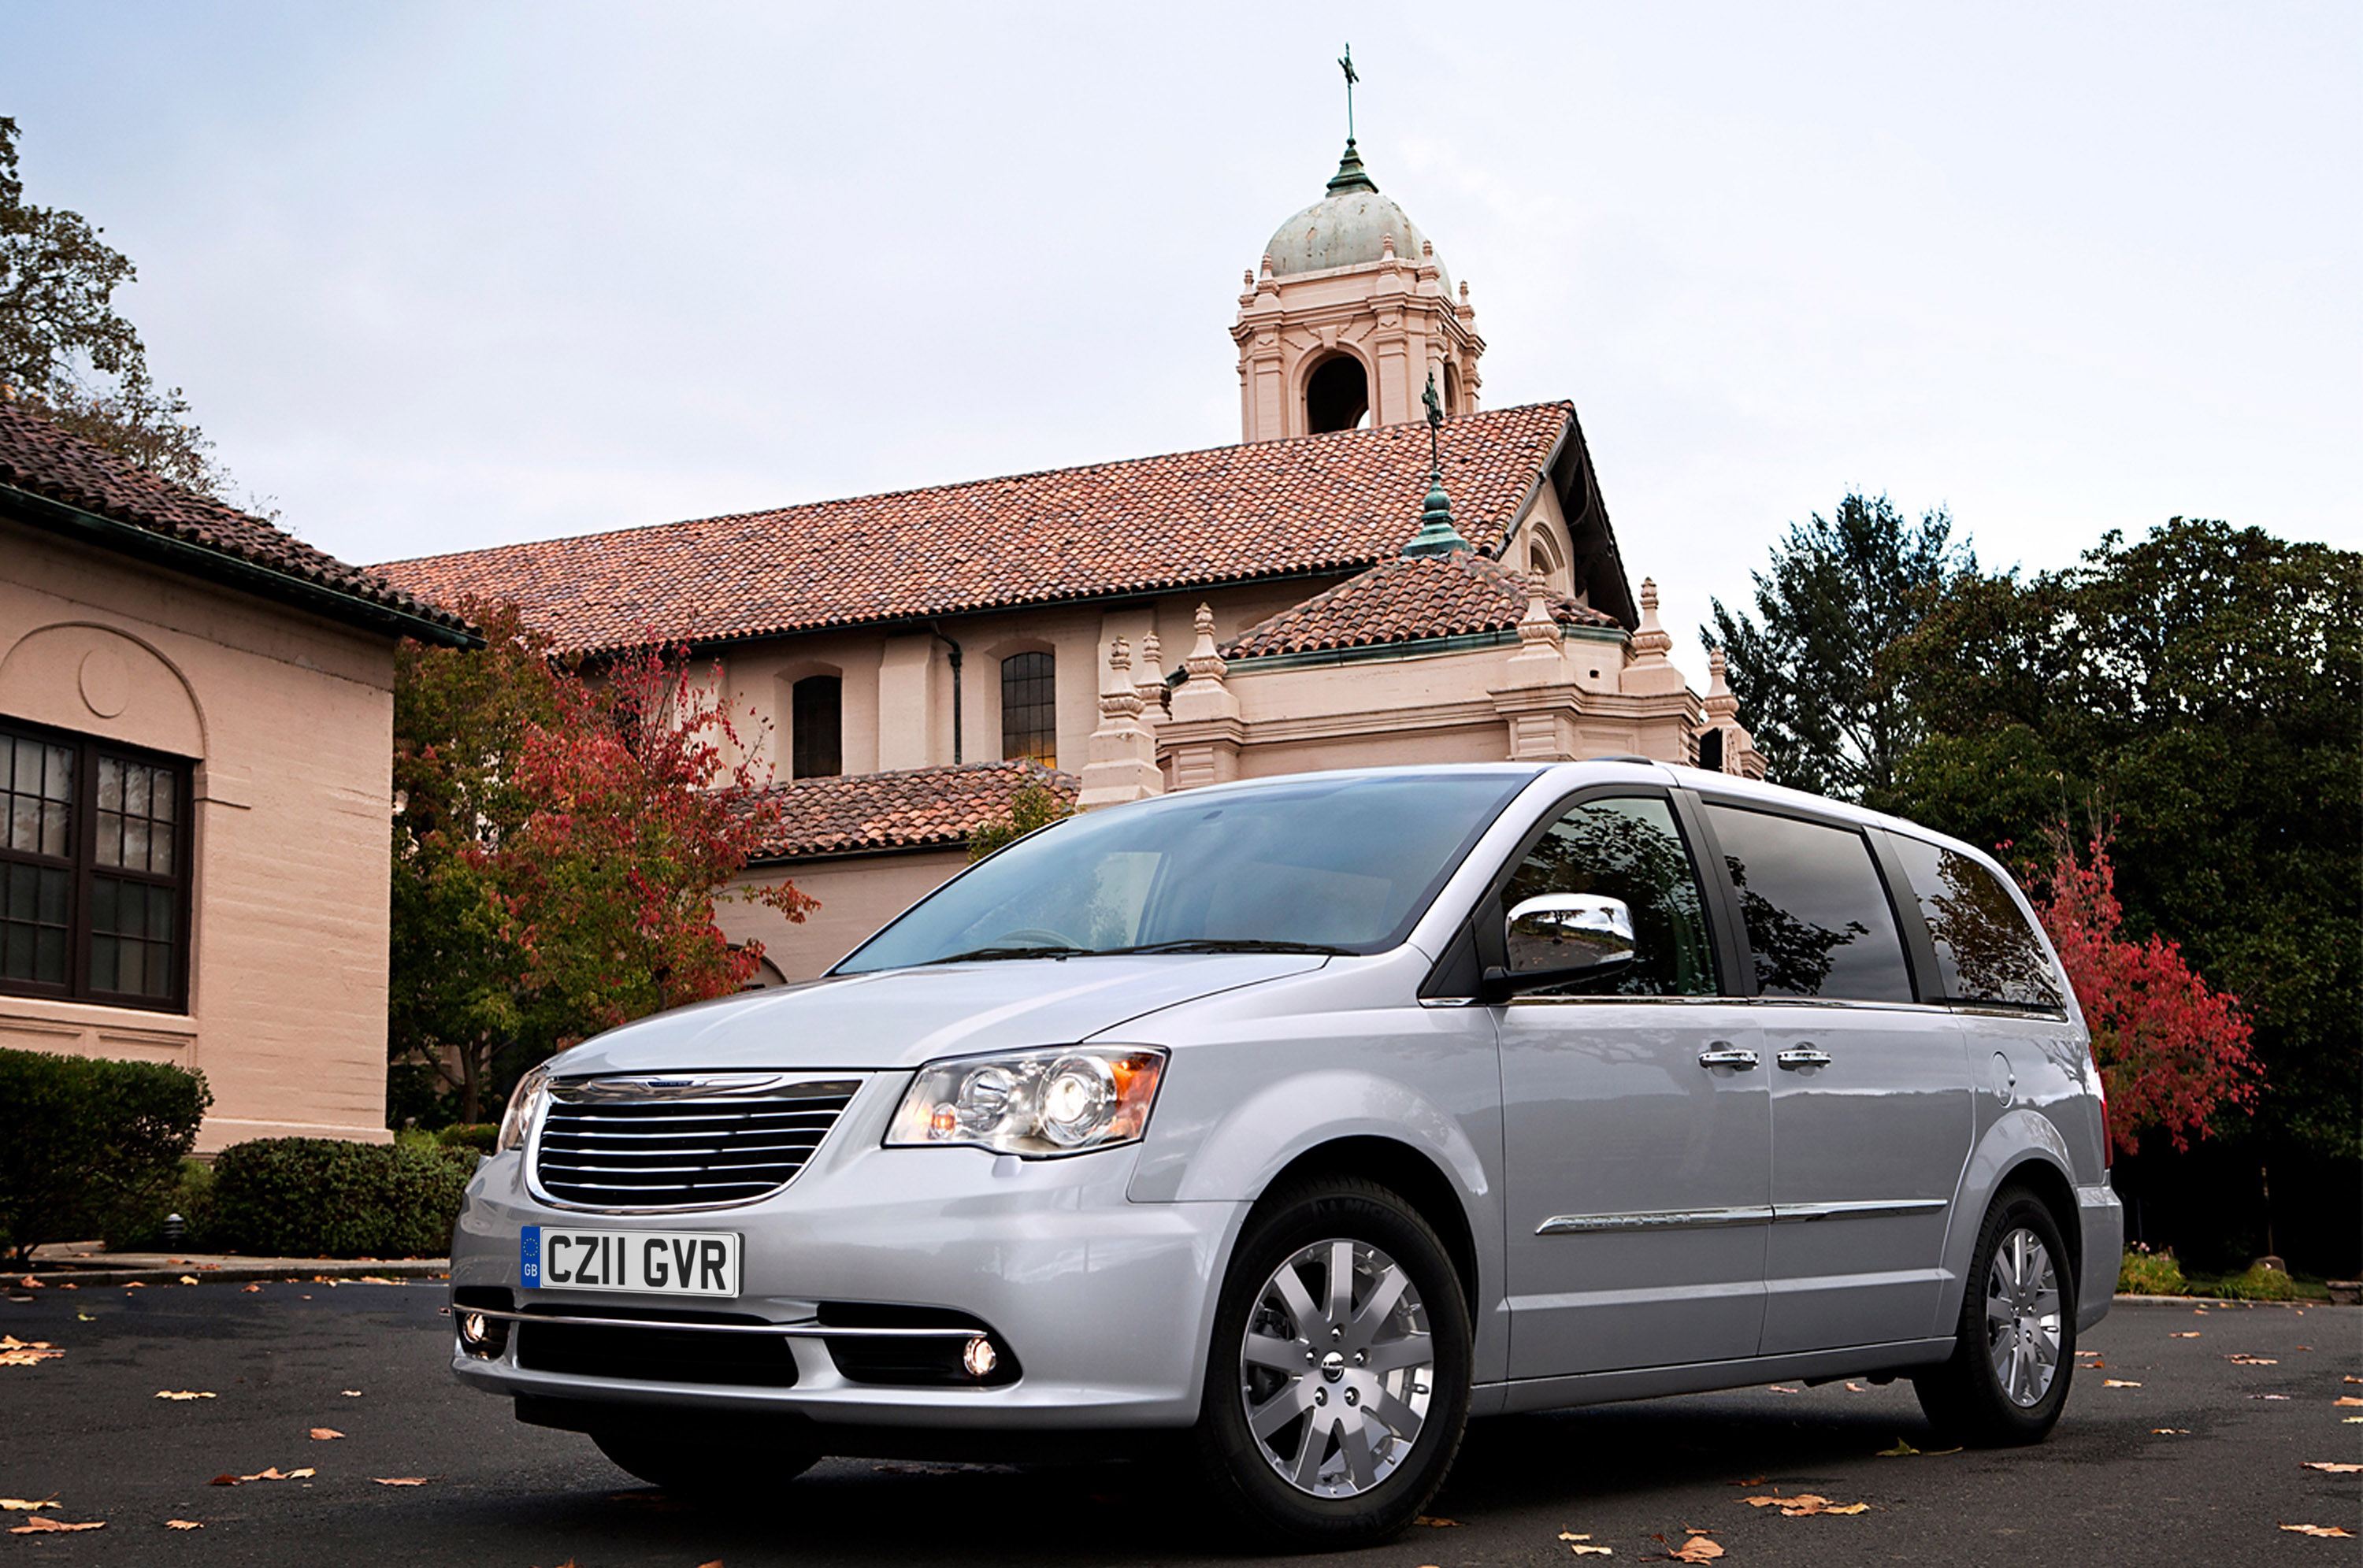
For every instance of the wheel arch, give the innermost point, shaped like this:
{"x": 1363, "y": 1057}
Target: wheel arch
{"x": 2022, "y": 1148}
{"x": 1404, "y": 1170}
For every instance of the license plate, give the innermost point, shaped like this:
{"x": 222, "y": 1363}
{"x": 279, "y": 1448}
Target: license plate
{"x": 652, "y": 1263}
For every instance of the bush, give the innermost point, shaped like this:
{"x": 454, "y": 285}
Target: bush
{"x": 2145, "y": 1273}
{"x": 190, "y": 1196}
{"x": 326, "y": 1198}
{"x": 2259, "y": 1284}
{"x": 479, "y": 1137}
{"x": 88, "y": 1146}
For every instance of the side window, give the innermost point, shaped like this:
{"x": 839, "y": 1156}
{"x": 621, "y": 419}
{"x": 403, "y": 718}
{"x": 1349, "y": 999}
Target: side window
{"x": 815, "y": 726}
{"x": 1629, "y": 849}
{"x": 1030, "y": 714}
{"x": 1985, "y": 950}
{"x": 1814, "y": 907}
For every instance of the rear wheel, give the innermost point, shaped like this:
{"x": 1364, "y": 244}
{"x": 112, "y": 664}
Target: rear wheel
{"x": 2015, "y": 1347}
{"x": 1338, "y": 1386}
{"x": 693, "y": 1464}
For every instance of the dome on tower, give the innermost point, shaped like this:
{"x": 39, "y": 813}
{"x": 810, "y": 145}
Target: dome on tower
{"x": 1347, "y": 227}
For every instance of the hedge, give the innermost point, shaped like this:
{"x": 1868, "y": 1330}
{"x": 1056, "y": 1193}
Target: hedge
{"x": 326, "y": 1198}
{"x": 88, "y": 1146}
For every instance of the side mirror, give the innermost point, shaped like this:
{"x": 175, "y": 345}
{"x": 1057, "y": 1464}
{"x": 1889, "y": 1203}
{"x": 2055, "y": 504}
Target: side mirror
{"x": 1559, "y": 937}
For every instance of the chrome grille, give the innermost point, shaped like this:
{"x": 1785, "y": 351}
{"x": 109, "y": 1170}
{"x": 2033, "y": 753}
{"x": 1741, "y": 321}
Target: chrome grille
{"x": 682, "y": 1141}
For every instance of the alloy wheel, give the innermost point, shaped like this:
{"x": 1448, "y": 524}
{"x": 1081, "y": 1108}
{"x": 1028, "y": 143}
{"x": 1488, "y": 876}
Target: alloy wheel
{"x": 1338, "y": 1368}
{"x": 2023, "y": 1318}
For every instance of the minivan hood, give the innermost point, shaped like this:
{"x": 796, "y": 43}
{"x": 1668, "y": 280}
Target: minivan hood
{"x": 901, "y": 1018}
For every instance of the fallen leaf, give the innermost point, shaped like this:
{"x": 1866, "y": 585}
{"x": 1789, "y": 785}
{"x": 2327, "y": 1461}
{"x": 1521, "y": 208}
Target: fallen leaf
{"x": 135, "y": 1284}
{"x": 2346, "y": 1400}
{"x": 42, "y": 1523}
{"x": 30, "y": 1282}
{"x": 1440, "y": 1524}
{"x": 1856, "y": 1388}
{"x": 84, "y": 1316}
{"x": 2350, "y": 1378}
{"x": 350, "y": 1393}
{"x": 182, "y": 1394}
{"x": 1778, "y": 1389}
{"x": 715, "y": 1563}
{"x": 2333, "y": 1466}
{"x": 1805, "y": 1504}
{"x": 402, "y": 1480}
{"x": 1564, "y": 1535}
{"x": 182, "y": 1524}
{"x": 1697, "y": 1549}
{"x": 2171, "y": 1431}
{"x": 1902, "y": 1450}
{"x": 2242, "y": 1358}
{"x": 272, "y": 1473}
{"x": 2191, "y": 1335}
{"x": 23, "y": 1506}
{"x": 322, "y": 1434}
{"x": 2280, "y": 1397}
{"x": 252, "y": 1288}
{"x": 188, "y": 1279}
{"x": 2118, "y": 1383}
{"x": 224, "y": 1479}
{"x": 2331, "y": 1532}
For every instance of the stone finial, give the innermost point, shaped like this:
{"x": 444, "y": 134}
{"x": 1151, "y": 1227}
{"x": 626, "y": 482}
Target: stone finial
{"x": 1267, "y": 263}
{"x": 1464, "y": 291}
{"x": 1722, "y": 705}
{"x": 1427, "y": 247}
{"x": 1539, "y": 628}
{"x": 1204, "y": 662}
{"x": 1387, "y": 247}
{"x": 1117, "y": 697}
{"x": 1651, "y": 642}
{"x": 1150, "y": 684}
{"x": 1247, "y": 277}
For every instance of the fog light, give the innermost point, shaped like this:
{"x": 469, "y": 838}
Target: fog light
{"x": 978, "y": 1356}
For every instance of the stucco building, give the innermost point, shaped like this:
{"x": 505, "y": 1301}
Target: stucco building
{"x": 195, "y": 760}
{"x": 1125, "y": 628}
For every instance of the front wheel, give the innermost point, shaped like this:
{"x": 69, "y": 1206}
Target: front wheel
{"x": 1338, "y": 1386}
{"x": 2015, "y": 1348}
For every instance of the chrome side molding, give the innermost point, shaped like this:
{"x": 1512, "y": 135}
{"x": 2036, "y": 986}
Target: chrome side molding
{"x": 1710, "y": 1219}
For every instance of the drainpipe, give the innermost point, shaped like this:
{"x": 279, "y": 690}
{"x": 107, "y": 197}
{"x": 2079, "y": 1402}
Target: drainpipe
{"x": 938, "y": 634}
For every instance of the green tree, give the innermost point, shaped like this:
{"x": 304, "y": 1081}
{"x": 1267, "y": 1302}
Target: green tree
{"x": 1035, "y": 805}
{"x": 1806, "y": 668}
{"x": 2199, "y": 693}
{"x": 69, "y": 353}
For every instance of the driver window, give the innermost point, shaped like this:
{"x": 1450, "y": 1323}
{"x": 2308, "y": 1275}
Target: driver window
{"x": 1628, "y": 849}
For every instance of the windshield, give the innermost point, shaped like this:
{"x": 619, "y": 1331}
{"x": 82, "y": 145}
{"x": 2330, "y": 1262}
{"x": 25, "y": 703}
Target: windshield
{"x": 1337, "y": 865}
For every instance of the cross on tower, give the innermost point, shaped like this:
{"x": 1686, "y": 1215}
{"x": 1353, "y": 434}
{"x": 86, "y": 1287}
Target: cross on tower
{"x": 1346, "y": 63}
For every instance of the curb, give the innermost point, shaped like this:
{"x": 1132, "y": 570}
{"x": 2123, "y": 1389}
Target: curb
{"x": 287, "y": 1271}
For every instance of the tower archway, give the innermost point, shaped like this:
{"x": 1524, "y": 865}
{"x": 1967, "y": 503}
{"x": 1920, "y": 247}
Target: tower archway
{"x": 1336, "y": 395}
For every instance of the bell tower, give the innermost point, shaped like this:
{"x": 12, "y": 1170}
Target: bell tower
{"x": 1349, "y": 316}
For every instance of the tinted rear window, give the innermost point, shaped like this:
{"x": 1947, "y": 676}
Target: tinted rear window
{"x": 1816, "y": 909}
{"x": 1986, "y": 951}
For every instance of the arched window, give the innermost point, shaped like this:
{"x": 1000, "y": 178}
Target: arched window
{"x": 1338, "y": 395}
{"x": 1451, "y": 390}
{"x": 817, "y": 727}
{"x": 1030, "y": 714}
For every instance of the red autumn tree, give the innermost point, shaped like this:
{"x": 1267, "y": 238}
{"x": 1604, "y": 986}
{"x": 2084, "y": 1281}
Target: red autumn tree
{"x": 2172, "y": 1051}
{"x": 560, "y": 843}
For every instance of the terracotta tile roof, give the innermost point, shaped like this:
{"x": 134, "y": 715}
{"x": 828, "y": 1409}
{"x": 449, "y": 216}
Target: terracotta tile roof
{"x": 913, "y": 809}
{"x": 1181, "y": 520}
{"x": 1405, "y": 599}
{"x": 39, "y": 457}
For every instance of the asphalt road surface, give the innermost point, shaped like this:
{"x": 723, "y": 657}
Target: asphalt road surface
{"x": 87, "y": 1429}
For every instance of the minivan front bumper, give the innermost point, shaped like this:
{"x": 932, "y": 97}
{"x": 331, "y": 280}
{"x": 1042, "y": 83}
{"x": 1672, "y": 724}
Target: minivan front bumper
{"x": 1104, "y": 1302}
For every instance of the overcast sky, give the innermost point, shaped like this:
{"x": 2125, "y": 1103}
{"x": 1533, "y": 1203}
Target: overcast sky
{"x": 438, "y": 277}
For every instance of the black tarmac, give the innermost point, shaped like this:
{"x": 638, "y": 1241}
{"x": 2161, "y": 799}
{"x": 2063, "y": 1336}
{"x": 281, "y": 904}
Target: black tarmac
{"x": 2197, "y": 1459}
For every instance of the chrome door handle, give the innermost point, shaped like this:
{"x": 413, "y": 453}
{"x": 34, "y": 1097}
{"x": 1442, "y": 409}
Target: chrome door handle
{"x": 1722, "y": 1056}
{"x": 1797, "y": 1056}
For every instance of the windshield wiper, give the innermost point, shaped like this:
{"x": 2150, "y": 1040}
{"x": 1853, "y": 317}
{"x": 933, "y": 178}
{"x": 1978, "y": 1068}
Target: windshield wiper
{"x": 1231, "y": 944}
{"x": 981, "y": 954}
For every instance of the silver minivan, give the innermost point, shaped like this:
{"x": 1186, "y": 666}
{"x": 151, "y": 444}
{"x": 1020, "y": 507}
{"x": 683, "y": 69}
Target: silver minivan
{"x": 1279, "y": 1128}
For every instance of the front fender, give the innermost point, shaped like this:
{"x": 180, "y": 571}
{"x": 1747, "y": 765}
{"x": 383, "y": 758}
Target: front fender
{"x": 2018, "y": 1138}
{"x": 1266, "y": 1132}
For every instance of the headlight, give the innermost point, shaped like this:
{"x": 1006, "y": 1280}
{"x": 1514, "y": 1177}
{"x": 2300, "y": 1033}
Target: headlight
{"x": 1034, "y": 1102}
{"x": 524, "y": 1104}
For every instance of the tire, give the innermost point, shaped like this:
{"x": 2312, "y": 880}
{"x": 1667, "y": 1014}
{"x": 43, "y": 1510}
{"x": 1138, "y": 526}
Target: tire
{"x": 2015, "y": 1350}
{"x": 1359, "y": 1415}
{"x": 736, "y": 1464}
